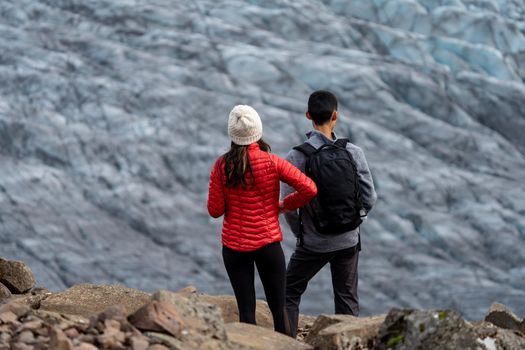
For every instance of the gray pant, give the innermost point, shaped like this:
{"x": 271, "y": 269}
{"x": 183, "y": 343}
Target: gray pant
{"x": 304, "y": 264}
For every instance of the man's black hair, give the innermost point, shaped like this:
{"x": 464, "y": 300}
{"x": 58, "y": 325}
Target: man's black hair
{"x": 321, "y": 105}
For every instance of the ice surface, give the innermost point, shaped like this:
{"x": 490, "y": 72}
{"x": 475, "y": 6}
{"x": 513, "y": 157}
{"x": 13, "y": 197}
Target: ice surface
{"x": 112, "y": 113}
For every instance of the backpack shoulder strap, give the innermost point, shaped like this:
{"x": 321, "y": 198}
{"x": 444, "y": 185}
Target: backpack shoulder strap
{"x": 306, "y": 149}
{"x": 341, "y": 142}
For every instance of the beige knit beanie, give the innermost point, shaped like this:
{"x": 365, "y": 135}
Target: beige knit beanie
{"x": 244, "y": 125}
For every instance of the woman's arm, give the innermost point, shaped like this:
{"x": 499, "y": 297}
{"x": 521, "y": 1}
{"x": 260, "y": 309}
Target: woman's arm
{"x": 305, "y": 188}
{"x": 216, "y": 204}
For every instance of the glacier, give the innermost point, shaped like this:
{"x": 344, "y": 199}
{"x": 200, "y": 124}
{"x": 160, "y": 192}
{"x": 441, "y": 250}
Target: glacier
{"x": 112, "y": 113}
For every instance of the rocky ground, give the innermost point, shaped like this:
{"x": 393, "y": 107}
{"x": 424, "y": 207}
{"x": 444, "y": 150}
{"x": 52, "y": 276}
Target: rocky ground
{"x": 112, "y": 113}
{"x": 114, "y": 317}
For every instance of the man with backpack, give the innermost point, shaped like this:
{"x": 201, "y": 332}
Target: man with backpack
{"x": 327, "y": 229}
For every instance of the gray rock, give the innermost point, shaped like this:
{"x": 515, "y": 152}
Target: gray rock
{"x": 16, "y": 276}
{"x": 427, "y": 329}
{"x": 4, "y": 292}
{"x": 88, "y": 300}
{"x": 167, "y": 340}
{"x": 337, "y": 332}
{"x": 261, "y": 338}
{"x": 230, "y": 313}
{"x": 200, "y": 318}
{"x": 442, "y": 330}
{"x": 501, "y": 316}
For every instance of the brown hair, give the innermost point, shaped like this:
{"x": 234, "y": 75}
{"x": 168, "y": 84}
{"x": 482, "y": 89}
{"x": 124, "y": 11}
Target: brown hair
{"x": 237, "y": 164}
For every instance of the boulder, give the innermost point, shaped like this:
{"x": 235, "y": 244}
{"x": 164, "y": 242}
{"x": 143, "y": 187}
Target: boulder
{"x": 200, "y": 318}
{"x": 260, "y": 338}
{"x": 508, "y": 339}
{"x": 167, "y": 340}
{"x": 112, "y": 336}
{"x": 4, "y": 292}
{"x": 158, "y": 316}
{"x": 139, "y": 343}
{"x": 59, "y": 341}
{"x": 16, "y": 276}
{"x": 503, "y": 317}
{"x": 230, "y": 313}
{"x": 88, "y": 300}
{"x": 427, "y": 329}
{"x": 32, "y": 298}
{"x": 8, "y": 317}
{"x": 495, "y": 338}
{"x": 61, "y": 321}
{"x": 334, "y": 332}
{"x": 18, "y": 309}
{"x": 114, "y": 312}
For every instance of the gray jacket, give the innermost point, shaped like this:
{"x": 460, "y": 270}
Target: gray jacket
{"x": 314, "y": 240}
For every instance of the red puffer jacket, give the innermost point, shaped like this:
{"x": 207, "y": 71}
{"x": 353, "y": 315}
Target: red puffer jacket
{"x": 251, "y": 215}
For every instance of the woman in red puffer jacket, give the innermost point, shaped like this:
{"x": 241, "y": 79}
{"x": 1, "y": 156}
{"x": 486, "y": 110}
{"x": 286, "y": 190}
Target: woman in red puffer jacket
{"x": 244, "y": 187}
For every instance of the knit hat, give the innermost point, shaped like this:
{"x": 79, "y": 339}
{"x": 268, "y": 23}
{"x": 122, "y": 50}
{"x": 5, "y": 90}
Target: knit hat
{"x": 244, "y": 125}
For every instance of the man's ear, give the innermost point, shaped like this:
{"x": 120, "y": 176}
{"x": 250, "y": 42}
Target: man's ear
{"x": 308, "y": 116}
{"x": 334, "y": 116}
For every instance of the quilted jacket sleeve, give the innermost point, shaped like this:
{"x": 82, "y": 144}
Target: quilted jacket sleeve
{"x": 305, "y": 188}
{"x": 216, "y": 201}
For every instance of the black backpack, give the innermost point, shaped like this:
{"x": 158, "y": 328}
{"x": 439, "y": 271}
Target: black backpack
{"x": 337, "y": 207}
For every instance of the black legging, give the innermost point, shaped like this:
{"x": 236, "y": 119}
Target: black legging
{"x": 272, "y": 270}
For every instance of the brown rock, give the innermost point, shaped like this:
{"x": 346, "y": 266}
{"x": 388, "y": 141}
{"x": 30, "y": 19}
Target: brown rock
{"x": 26, "y": 337}
{"x": 344, "y": 332}
{"x": 112, "y": 324}
{"x": 230, "y": 313}
{"x": 158, "y": 347}
{"x": 304, "y": 326}
{"x": 4, "y": 292}
{"x": 32, "y": 326}
{"x": 260, "y": 338}
{"x": 501, "y": 316}
{"x": 198, "y": 316}
{"x": 32, "y": 298}
{"x": 158, "y": 316}
{"x": 71, "y": 332}
{"x": 306, "y": 321}
{"x": 88, "y": 300}
{"x": 360, "y": 333}
{"x": 21, "y": 346}
{"x": 86, "y": 346}
{"x": 86, "y": 338}
{"x": 324, "y": 321}
{"x": 139, "y": 343}
{"x": 18, "y": 309}
{"x": 168, "y": 340}
{"x": 61, "y": 321}
{"x": 59, "y": 341}
{"x": 112, "y": 338}
{"x": 115, "y": 317}
{"x": 8, "y": 317}
{"x": 16, "y": 276}
{"x": 114, "y": 312}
